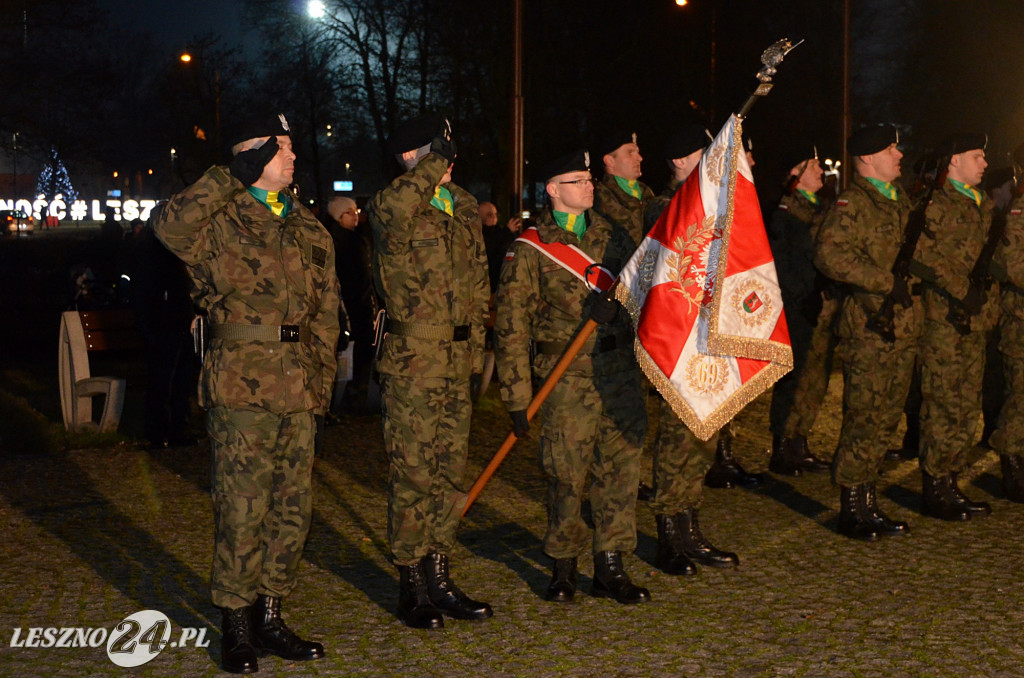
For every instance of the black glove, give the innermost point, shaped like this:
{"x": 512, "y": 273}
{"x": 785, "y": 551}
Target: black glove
{"x": 974, "y": 300}
{"x": 444, "y": 146}
{"x": 343, "y": 340}
{"x": 603, "y": 308}
{"x": 318, "y": 440}
{"x": 248, "y": 165}
{"x": 476, "y": 380}
{"x": 520, "y": 424}
{"x": 900, "y": 293}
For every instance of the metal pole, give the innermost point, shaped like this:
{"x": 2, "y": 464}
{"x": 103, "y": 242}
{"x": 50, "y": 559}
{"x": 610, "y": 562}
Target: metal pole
{"x": 844, "y": 176}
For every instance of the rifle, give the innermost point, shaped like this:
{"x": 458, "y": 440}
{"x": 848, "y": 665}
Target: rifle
{"x": 881, "y": 321}
{"x": 980, "y": 277}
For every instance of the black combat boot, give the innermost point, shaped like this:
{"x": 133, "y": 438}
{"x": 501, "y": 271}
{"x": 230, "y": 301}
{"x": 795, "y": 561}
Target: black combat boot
{"x": 271, "y": 635}
{"x": 610, "y": 580}
{"x": 237, "y": 652}
{"x": 882, "y": 523}
{"x": 446, "y": 595}
{"x": 783, "y": 462}
{"x": 414, "y": 606}
{"x": 852, "y": 522}
{"x": 975, "y": 509}
{"x": 696, "y": 546}
{"x": 562, "y": 588}
{"x": 671, "y": 559}
{"x": 725, "y": 472}
{"x": 938, "y": 500}
{"x": 802, "y": 453}
{"x": 1013, "y": 477}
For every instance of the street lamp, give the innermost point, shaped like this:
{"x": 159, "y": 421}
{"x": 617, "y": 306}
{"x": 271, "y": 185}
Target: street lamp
{"x": 316, "y": 9}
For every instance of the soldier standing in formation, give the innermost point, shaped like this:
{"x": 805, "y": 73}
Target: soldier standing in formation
{"x": 952, "y": 354}
{"x": 681, "y": 460}
{"x": 594, "y": 419}
{"x": 431, "y": 271}
{"x": 262, "y": 267}
{"x": 792, "y": 231}
{"x": 1008, "y": 438}
{"x": 857, "y": 246}
{"x": 620, "y": 196}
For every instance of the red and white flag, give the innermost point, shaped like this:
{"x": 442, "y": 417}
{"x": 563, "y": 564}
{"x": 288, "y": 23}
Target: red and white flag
{"x": 711, "y": 334}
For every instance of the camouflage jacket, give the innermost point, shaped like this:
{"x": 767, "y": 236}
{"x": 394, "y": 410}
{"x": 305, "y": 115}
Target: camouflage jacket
{"x": 957, "y": 229}
{"x": 857, "y": 245}
{"x": 1010, "y": 257}
{"x": 620, "y": 209}
{"x": 431, "y": 270}
{"x": 791, "y": 232}
{"x": 251, "y": 267}
{"x": 657, "y": 204}
{"x": 538, "y": 300}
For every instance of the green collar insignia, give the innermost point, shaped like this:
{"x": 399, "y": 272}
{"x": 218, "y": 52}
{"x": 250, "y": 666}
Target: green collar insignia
{"x": 442, "y": 200}
{"x": 574, "y": 223}
{"x": 884, "y": 187}
{"x": 811, "y": 197}
{"x": 629, "y": 187}
{"x": 275, "y": 201}
{"x": 971, "y": 192}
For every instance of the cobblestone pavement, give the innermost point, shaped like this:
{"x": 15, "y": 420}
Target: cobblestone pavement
{"x": 91, "y": 536}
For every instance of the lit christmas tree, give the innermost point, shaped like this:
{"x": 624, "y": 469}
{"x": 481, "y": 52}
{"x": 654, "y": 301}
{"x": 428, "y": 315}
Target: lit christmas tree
{"x": 54, "y": 180}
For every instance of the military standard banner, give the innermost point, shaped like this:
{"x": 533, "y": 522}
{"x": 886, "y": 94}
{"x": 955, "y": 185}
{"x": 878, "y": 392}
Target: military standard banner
{"x": 711, "y": 333}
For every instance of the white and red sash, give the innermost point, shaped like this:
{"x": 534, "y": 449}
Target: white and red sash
{"x": 571, "y": 258}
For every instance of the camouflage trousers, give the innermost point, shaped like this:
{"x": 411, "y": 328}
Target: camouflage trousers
{"x": 876, "y": 380}
{"x": 812, "y": 379}
{"x": 426, "y": 437}
{"x": 952, "y": 368}
{"x": 1009, "y": 436}
{"x": 262, "y": 501}
{"x": 593, "y": 426}
{"x": 681, "y": 460}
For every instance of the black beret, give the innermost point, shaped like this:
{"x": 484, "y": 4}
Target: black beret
{"x": 684, "y": 141}
{"x": 614, "y": 141}
{"x": 872, "y": 139}
{"x": 260, "y": 125}
{"x": 794, "y": 157}
{"x": 961, "y": 143}
{"x": 574, "y": 161}
{"x": 415, "y": 133}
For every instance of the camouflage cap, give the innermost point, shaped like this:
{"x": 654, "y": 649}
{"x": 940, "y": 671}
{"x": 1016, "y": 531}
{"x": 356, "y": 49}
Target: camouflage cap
{"x": 684, "y": 141}
{"x": 259, "y": 125}
{"x": 415, "y": 133}
{"x": 962, "y": 142}
{"x": 872, "y": 139}
{"x": 574, "y": 161}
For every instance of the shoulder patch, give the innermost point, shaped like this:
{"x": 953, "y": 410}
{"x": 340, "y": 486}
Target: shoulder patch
{"x": 842, "y": 202}
{"x": 510, "y": 255}
{"x": 1016, "y": 211}
{"x": 784, "y": 207}
{"x": 319, "y": 256}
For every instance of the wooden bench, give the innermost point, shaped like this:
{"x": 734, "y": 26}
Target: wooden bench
{"x": 82, "y": 332}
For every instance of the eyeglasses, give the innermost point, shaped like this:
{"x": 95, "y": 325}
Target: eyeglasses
{"x": 578, "y": 183}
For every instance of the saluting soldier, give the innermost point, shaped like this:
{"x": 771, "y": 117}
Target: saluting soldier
{"x": 952, "y": 352}
{"x": 857, "y": 246}
{"x": 681, "y": 459}
{"x": 791, "y": 232}
{"x": 594, "y": 420}
{"x": 620, "y": 196}
{"x": 262, "y": 267}
{"x": 431, "y": 271}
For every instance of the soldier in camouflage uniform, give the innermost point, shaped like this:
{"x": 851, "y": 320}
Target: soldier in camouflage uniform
{"x": 431, "y": 271}
{"x": 791, "y": 232}
{"x": 594, "y": 419}
{"x": 262, "y": 267}
{"x": 681, "y": 459}
{"x": 620, "y": 196}
{"x": 952, "y": 359}
{"x": 1008, "y": 438}
{"x": 857, "y": 245}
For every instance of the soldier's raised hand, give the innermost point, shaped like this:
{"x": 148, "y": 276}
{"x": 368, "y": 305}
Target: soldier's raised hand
{"x": 248, "y": 165}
